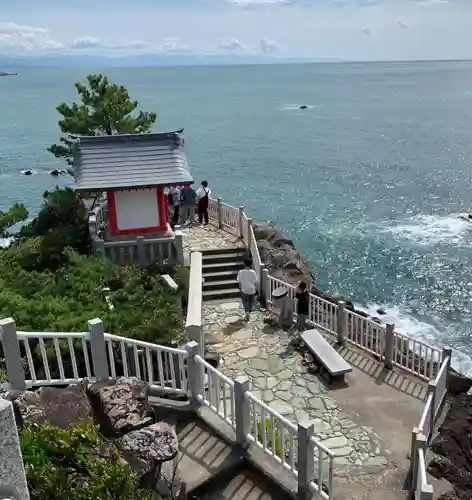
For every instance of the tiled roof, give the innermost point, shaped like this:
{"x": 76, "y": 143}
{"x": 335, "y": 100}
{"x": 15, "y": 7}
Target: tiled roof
{"x": 130, "y": 160}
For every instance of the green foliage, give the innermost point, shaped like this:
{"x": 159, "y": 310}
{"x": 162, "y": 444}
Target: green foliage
{"x": 15, "y": 214}
{"x": 75, "y": 464}
{"x": 104, "y": 109}
{"x": 273, "y": 435}
{"x": 61, "y": 223}
{"x": 64, "y": 300}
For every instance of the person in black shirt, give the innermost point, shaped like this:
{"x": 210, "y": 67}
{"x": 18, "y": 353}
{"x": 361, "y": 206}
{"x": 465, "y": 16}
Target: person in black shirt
{"x": 303, "y": 305}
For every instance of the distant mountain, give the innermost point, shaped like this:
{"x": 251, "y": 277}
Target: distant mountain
{"x": 11, "y": 63}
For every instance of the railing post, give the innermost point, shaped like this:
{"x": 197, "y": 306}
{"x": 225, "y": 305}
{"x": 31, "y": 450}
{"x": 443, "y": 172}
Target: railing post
{"x": 447, "y": 355}
{"x": 266, "y": 286}
{"x": 432, "y": 389}
{"x": 418, "y": 442}
{"x": 242, "y": 409}
{"x": 195, "y": 371}
{"x": 249, "y": 240}
{"x": 241, "y": 228}
{"x": 141, "y": 250}
{"x": 261, "y": 282}
{"x": 220, "y": 212}
{"x": 389, "y": 346}
{"x": 414, "y": 458}
{"x": 98, "y": 348}
{"x": 306, "y": 460}
{"x": 342, "y": 322}
{"x": 179, "y": 245}
{"x": 12, "y": 353}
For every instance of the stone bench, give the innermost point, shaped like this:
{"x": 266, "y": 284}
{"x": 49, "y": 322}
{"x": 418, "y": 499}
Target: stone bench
{"x": 332, "y": 362}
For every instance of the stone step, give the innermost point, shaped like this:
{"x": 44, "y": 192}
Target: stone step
{"x": 233, "y": 256}
{"x": 225, "y": 284}
{"x": 204, "y": 454}
{"x": 229, "y": 274}
{"x": 223, "y": 251}
{"x": 246, "y": 484}
{"x": 232, "y": 293}
{"x": 214, "y": 267}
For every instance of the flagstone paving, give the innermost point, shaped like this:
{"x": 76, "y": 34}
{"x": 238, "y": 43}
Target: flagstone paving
{"x": 209, "y": 237}
{"x": 279, "y": 378}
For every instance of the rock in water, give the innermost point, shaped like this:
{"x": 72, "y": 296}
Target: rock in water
{"x": 120, "y": 405}
{"x": 303, "y": 107}
{"x": 458, "y": 383}
{"x": 26, "y": 172}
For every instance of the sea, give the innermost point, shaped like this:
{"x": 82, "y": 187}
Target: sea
{"x": 369, "y": 179}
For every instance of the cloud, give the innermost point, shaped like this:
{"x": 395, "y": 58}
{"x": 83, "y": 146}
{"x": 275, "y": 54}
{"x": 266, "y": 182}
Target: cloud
{"x": 24, "y": 38}
{"x": 90, "y": 42}
{"x": 231, "y": 45}
{"x": 268, "y": 46}
{"x": 174, "y": 46}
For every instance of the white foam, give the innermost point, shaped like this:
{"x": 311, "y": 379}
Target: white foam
{"x": 406, "y": 323}
{"x": 433, "y": 229}
{"x": 5, "y": 242}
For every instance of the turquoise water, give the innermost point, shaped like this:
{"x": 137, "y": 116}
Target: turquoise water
{"x": 368, "y": 180}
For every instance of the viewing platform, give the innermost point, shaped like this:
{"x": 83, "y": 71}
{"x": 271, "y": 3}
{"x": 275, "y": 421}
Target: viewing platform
{"x": 263, "y": 395}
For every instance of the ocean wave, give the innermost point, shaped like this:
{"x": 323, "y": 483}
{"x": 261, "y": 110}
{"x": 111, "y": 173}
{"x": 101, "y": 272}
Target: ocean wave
{"x": 408, "y": 324}
{"x": 433, "y": 229}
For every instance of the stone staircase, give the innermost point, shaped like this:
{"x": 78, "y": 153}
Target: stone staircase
{"x": 220, "y": 268}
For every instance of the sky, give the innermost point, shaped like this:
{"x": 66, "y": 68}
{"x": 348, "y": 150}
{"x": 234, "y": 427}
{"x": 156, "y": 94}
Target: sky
{"x": 311, "y": 29}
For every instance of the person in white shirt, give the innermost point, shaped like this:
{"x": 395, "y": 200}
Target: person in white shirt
{"x": 248, "y": 281}
{"x": 203, "y": 197}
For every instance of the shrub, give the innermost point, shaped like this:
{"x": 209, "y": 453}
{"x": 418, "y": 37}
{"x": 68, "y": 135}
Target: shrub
{"x": 75, "y": 464}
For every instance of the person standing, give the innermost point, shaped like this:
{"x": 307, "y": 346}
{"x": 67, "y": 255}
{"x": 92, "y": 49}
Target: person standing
{"x": 248, "y": 281}
{"x": 188, "y": 198}
{"x": 203, "y": 197}
{"x": 174, "y": 204}
{"x": 303, "y": 305}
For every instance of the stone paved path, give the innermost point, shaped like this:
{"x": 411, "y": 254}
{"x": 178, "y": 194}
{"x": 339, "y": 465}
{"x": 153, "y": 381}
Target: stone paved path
{"x": 278, "y": 378}
{"x": 208, "y": 237}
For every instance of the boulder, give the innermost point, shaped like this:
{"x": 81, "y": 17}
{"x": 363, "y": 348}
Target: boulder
{"x": 458, "y": 383}
{"x": 120, "y": 405}
{"x": 170, "y": 483}
{"x": 146, "y": 449}
{"x": 62, "y": 407}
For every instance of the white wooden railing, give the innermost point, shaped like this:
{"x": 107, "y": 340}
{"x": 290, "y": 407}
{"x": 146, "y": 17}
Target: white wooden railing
{"x": 273, "y": 433}
{"x": 219, "y": 396}
{"x": 416, "y": 357}
{"x": 422, "y": 434}
{"x": 160, "y": 366}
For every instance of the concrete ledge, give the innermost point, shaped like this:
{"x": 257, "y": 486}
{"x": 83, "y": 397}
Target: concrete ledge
{"x": 12, "y": 473}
